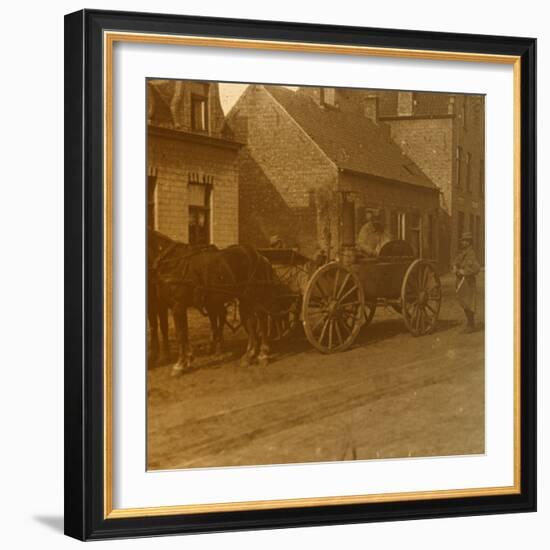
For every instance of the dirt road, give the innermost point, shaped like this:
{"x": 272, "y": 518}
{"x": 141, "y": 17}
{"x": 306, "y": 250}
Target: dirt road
{"x": 391, "y": 395}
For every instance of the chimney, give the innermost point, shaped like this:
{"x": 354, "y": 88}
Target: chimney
{"x": 313, "y": 92}
{"x": 404, "y": 103}
{"x": 451, "y": 105}
{"x": 371, "y": 108}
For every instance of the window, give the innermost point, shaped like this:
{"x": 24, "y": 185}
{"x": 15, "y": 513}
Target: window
{"x": 415, "y": 233}
{"x": 471, "y": 227}
{"x": 405, "y": 103}
{"x": 468, "y": 170}
{"x": 199, "y": 213}
{"x": 397, "y": 225}
{"x": 459, "y": 166}
{"x": 199, "y": 113}
{"x": 401, "y": 220}
{"x": 464, "y": 112}
{"x": 328, "y": 97}
{"x": 482, "y": 178}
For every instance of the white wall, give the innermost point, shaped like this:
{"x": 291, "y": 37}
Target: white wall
{"x": 31, "y": 303}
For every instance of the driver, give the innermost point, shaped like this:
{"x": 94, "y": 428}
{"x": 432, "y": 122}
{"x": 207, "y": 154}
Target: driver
{"x": 372, "y": 237}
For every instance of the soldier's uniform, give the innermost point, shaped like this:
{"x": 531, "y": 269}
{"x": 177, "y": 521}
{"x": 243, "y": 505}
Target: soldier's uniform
{"x": 371, "y": 238}
{"x": 466, "y": 267}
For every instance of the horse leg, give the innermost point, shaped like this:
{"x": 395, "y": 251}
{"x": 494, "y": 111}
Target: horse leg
{"x": 249, "y": 322}
{"x": 185, "y": 358}
{"x": 213, "y": 318}
{"x": 263, "y": 356}
{"x": 221, "y": 314}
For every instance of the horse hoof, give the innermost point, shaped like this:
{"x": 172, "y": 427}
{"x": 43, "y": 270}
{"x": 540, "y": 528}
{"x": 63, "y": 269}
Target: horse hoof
{"x": 263, "y": 361}
{"x": 247, "y": 361}
{"x": 177, "y": 369}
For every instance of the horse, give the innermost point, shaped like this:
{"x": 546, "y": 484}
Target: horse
{"x": 157, "y": 316}
{"x": 249, "y": 277}
{"x": 167, "y": 289}
{"x": 157, "y": 307}
{"x": 207, "y": 278}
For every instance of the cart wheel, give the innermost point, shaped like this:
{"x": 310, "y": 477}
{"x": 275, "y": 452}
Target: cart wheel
{"x": 420, "y": 298}
{"x": 333, "y": 308}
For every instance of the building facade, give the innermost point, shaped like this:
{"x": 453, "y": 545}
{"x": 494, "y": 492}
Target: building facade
{"x": 192, "y": 182}
{"x": 445, "y": 136}
{"x": 311, "y": 171}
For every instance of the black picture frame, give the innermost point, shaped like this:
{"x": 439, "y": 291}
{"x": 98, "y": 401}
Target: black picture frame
{"x": 84, "y": 281}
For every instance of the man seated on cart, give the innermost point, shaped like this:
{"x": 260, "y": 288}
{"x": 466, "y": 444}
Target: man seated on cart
{"x": 372, "y": 236}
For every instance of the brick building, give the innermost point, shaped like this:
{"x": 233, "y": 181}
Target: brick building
{"x": 444, "y": 134}
{"x": 192, "y": 164}
{"x": 310, "y": 171}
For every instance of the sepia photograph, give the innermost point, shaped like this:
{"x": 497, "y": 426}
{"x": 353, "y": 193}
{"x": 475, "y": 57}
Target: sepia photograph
{"x": 315, "y": 274}
{"x": 300, "y": 274}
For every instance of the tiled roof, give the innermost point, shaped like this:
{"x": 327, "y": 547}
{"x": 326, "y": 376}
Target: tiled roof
{"x": 352, "y": 142}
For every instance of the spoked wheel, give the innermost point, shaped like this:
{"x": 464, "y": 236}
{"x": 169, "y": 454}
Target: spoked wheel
{"x": 420, "y": 298}
{"x": 333, "y": 308}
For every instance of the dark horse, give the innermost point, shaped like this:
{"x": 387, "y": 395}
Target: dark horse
{"x": 173, "y": 283}
{"x": 157, "y": 316}
{"x": 206, "y": 278}
{"x": 250, "y": 278}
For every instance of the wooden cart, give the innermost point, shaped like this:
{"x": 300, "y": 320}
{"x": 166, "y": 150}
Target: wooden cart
{"x": 341, "y": 297}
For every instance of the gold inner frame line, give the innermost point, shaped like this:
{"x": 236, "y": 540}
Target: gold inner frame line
{"x": 109, "y": 39}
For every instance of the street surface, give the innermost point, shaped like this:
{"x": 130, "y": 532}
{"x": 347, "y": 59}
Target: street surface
{"x": 391, "y": 395}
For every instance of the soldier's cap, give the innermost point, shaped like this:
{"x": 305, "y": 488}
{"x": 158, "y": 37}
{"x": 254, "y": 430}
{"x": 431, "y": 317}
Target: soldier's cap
{"x": 467, "y": 236}
{"x": 275, "y": 239}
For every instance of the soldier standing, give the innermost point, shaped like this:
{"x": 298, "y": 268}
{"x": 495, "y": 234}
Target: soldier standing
{"x": 466, "y": 267}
